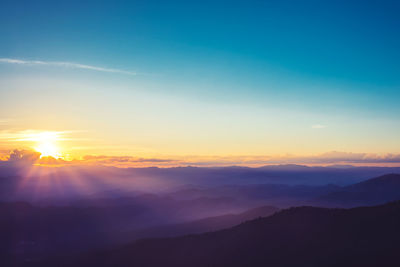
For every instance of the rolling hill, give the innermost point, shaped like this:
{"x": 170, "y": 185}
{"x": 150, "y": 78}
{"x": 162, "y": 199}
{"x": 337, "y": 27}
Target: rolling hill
{"x": 302, "y": 236}
{"x": 207, "y": 224}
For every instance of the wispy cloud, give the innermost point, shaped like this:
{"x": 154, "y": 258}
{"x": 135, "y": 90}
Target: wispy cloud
{"x": 4, "y": 121}
{"x": 64, "y": 64}
{"x": 34, "y": 135}
{"x": 318, "y": 126}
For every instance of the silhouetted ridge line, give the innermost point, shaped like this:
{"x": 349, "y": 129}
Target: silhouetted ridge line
{"x": 374, "y": 191}
{"x": 302, "y": 236}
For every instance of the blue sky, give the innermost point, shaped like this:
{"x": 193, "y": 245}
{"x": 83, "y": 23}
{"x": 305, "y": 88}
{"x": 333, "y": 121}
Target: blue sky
{"x": 228, "y": 66}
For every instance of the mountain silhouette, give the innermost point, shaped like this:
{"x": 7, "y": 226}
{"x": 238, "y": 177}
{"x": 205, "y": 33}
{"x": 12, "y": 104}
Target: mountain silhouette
{"x": 207, "y": 224}
{"x": 302, "y": 236}
{"x": 374, "y": 191}
{"x": 28, "y": 231}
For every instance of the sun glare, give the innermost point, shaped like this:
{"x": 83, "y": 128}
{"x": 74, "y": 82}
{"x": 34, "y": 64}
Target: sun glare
{"x": 46, "y": 145}
{"x": 48, "y": 149}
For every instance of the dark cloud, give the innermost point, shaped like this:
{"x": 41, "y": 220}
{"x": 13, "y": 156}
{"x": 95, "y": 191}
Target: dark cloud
{"x": 24, "y": 156}
{"x": 28, "y": 156}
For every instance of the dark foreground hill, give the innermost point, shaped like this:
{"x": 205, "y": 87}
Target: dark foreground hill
{"x": 205, "y": 225}
{"x": 374, "y": 191}
{"x": 303, "y": 236}
{"x": 29, "y": 233}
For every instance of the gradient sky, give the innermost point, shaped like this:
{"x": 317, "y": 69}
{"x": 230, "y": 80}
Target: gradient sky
{"x": 213, "y": 78}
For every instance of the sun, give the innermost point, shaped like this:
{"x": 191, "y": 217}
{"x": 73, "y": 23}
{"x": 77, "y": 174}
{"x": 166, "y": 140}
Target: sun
{"x": 48, "y": 149}
{"x": 46, "y": 145}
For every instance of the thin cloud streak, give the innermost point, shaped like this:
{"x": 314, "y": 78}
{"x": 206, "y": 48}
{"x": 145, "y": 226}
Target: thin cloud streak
{"x": 34, "y": 135}
{"x": 4, "y": 121}
{"x": 318, "y": 126}
{"x": 64, "y": 65}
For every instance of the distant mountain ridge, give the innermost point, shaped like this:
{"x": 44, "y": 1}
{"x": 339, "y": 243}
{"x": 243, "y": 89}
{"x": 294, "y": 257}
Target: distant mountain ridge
{"x": 374, "y": 191}
{"x": 58, "y": 187}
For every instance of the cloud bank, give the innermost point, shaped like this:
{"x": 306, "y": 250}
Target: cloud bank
{"x": 330, "y": 158}
{"x": 64, "y": 65}
{"x": 28, "y": 156}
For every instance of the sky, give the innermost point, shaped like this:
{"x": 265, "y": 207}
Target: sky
{"x": 218, "y": 82}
